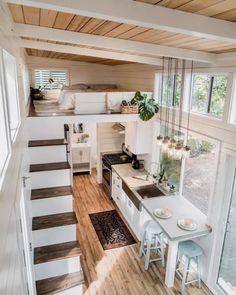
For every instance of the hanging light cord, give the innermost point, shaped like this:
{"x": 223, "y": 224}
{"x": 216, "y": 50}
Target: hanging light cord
{"x": 167, "y": 97}
{"x": 189, "y": 99}
{"x": 181, "y": 98}
{"x": 162, "y": 83}
{"x": 174, "y": 97}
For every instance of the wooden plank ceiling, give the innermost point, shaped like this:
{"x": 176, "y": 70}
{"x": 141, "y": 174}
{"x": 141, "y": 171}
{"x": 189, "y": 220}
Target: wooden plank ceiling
{"x": 73, "y": 57}
{"x": 222, "y": 9}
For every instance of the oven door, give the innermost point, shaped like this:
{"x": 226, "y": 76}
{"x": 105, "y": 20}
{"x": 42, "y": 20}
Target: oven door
{"x": 106, "y": 178}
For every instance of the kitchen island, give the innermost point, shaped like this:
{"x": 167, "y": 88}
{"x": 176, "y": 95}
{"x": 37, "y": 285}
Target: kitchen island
{"x": 137, "y": 210}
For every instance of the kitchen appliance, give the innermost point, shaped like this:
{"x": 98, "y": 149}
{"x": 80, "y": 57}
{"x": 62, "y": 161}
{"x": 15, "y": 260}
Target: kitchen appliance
{"x": 135, "y": 162}
{"x": 107, "y": 161}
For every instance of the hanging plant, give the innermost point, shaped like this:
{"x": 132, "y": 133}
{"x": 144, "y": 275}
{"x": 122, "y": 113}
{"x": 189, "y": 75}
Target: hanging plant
{"x": 147, "y": 106}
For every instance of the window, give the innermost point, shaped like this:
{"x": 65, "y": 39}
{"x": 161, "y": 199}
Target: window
{"x": 199, "y": 172}
{"x": 41, "y": 79}
{"x": 208, "y": 94}
{"x": 4, "y": 146}
{"x": 171, "y": 90}
{"x": 170, "y": 166}
{"x": 10, "y": 74}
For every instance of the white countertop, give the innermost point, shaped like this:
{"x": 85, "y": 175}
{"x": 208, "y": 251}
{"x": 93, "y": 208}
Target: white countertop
{"x": 181, "y": 208}
{"x": 126, "y": 170}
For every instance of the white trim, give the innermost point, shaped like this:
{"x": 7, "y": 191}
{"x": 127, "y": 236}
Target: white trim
{"x": 231, "y": 119}
{"x": 30, "y": 31}
{"x": 141, "y": 14}
{"x": 6, "y": 119}
{"x": 228, "y": 164}
{"x": 106, "y": 54}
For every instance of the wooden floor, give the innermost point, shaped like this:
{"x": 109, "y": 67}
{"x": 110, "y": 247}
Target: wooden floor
{"x": 118, "y": 271}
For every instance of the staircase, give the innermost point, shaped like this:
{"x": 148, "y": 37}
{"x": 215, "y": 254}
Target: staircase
{"x": 57, "y": 251}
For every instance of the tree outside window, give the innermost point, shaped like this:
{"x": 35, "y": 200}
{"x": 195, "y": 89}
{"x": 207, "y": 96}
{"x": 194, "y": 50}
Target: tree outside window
{"x": 208, "y": 94}
{"x": 171, "y": 91}
{"x": 199, "y": 172}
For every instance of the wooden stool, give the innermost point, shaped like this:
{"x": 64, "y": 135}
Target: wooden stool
{"x": 152, "y": 234}
{"x": 191, "y": 251}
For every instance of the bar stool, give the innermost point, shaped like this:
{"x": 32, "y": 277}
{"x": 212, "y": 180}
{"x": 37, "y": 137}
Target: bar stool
{"x": 152, "y": 234}
{"x": 191, "y": 252}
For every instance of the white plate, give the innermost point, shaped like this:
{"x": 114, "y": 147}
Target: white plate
{"x": 158, "y": 213}
{"x": 187, "y": 227}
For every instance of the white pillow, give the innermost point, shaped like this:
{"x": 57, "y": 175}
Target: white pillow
{"x": 68, "y": 102}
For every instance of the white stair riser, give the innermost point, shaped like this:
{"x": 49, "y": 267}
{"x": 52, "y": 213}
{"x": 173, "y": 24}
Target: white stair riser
{"x": 50, "y": 178}
{"x": 57, "y": 268}
{"x": 77, "y": 290}
{"x": 52, "y": 205}
{"x": 54, "y": 235}
{"x": 47, "y": 154}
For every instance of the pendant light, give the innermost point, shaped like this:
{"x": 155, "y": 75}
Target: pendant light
{"x": 187, "y": 149}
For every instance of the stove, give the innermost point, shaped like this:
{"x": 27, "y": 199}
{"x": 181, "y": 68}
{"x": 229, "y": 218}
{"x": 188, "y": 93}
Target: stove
{"x": 113, "y": 159}
{"x": 107, "y": 161}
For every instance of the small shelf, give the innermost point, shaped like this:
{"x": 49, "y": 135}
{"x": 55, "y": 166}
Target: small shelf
{"x": 81, "y": 167}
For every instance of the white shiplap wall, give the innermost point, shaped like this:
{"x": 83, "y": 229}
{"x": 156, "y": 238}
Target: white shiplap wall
{"x": 78, "y": 72}
{"x": 135, "y": 76}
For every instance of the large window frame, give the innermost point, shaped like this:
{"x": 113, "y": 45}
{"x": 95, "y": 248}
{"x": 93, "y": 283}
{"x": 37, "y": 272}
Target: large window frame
{"x": 4, "y": 117}
{"x": 12, "y": 101}
{"x": 208, "y": 109}
{"x": 199, "y": 136}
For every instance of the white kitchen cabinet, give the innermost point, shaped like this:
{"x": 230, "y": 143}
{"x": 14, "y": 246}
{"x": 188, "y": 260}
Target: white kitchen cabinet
{"x": 117, "y": 191}
{"x": 138, "y": 137}
{"x": 133, "y": 216}
{"x": 81, "y": 157}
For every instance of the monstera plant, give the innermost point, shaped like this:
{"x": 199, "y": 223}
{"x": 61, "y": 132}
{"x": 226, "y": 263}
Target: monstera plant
{"x": 147, "y": 106}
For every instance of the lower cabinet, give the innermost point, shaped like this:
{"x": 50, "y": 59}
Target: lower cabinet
{"x": 133, "y": 216}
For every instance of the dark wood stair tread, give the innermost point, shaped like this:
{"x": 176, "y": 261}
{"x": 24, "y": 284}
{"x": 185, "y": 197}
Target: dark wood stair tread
{"x": 51, "y": 192}
{"x": 56, "y": 251}
{"x": 57, "y": 284}
{"x": 54, "y": 220}
{"x": 47, "y": 142}
{"x": 49, "y": 166}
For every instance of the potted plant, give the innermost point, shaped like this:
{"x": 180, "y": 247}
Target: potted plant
{"x": 147, "y": 106}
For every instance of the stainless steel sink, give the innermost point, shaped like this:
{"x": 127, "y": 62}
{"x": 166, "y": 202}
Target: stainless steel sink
{"x": 149, "y": 191}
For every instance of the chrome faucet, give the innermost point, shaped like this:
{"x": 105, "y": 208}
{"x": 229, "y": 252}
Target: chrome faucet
{"x": 147, "y": 175}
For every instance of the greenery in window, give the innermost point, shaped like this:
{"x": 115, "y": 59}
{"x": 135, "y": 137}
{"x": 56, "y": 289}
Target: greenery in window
{"x": 172, "y": 170}
{"x": 172, "y": 89}
{"x": 208, "y": 94}
{"x": 218, "y": 95}
{"x": 199, "y": 172}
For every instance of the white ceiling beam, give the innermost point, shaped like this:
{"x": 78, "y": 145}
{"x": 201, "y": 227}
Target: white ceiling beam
{"x": 145, "y": 15}
{"x": 111, "y": 43}
{"x": 89, "y": 52}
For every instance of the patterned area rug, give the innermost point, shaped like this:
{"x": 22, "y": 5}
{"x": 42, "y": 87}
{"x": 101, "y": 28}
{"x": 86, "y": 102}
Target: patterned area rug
{"x": 111, "y": 230}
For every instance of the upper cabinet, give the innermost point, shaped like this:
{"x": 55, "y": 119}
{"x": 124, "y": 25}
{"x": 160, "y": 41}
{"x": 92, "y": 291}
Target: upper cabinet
{"x": 138, "y": 137}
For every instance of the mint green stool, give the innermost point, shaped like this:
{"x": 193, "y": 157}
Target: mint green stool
{"x": 191, "y": 251}
{"x": 152, "y": 239}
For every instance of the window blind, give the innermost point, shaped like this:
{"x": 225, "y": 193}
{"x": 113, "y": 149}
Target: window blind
{"x": 41, "y": 78}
